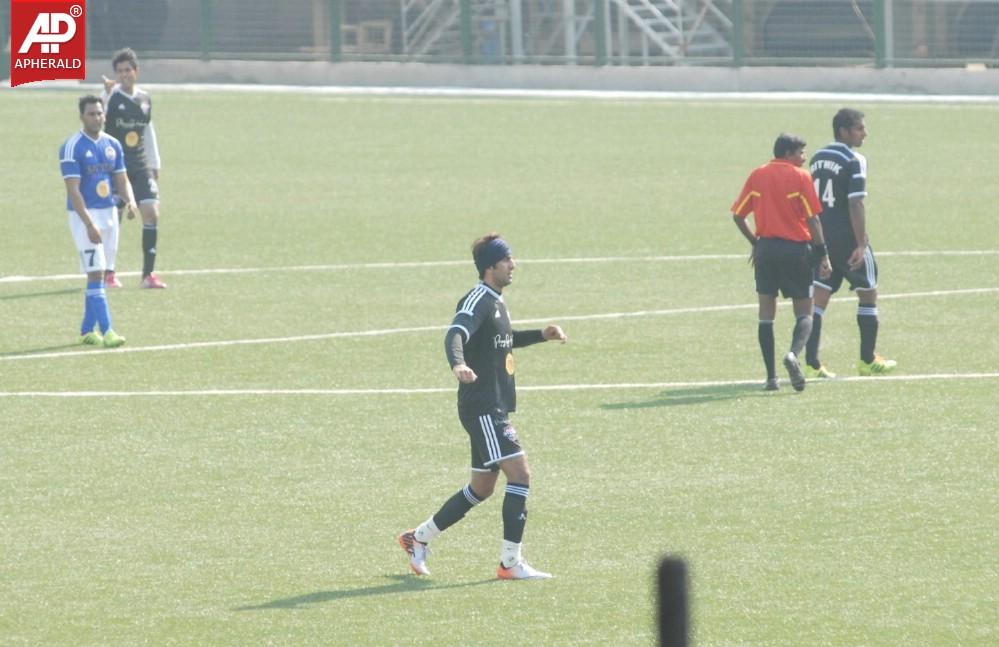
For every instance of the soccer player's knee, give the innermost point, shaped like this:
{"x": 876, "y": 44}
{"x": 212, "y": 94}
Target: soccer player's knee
{"x": 520, "y": 474}
{"x": 482, "y": 486}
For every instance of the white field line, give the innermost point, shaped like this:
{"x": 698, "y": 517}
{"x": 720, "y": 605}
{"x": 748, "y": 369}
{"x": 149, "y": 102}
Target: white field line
{"x": 396, "y": 331}
{"x": 747, "y": 306}
{"x": 229, "y": 342}
{"x": 528, "y": 93}
{"x": 422, "y": 391}
{"x": 336, "y": 267}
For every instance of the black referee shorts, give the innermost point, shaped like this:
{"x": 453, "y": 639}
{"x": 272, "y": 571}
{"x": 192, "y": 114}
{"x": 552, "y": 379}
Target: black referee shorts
{"x": 785, "y": 266}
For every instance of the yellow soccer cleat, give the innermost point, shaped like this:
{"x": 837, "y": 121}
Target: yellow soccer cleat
{"x": 92, "y": 338}
{"x": 818, "y": 373}
{"x": 880, "y": 366}
{"x": 113, "y": 339}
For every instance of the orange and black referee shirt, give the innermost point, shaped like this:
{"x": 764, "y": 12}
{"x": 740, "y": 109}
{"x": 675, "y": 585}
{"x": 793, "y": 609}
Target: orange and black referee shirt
{"x": 781, "y": 198}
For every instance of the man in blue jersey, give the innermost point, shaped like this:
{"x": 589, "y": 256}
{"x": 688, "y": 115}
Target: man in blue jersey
{"x": 840, "y": 175}
{"x": 479, "y": 347}
{"x": 93, "y": 168}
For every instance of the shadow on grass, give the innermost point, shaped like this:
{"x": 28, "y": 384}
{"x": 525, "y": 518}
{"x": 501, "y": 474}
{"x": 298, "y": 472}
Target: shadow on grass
{"x": 50, "y": 293}
{"x": 399, "y": 584}
{"x": 694, "y": 395}
{"x": 28, "y": 352}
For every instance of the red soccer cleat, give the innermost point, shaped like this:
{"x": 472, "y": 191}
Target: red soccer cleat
{"x": 153, "y": 282}
{"x": 110, "y": 280}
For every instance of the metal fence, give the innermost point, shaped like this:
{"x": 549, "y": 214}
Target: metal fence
{"x": 584, "y": 32}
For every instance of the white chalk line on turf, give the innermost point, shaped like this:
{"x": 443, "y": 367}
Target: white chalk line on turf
{"x": 499, "y": 93}
{"x": 338, "y": 267}
{"x": 396, "y": 331}
{"x": 624, "y": 386}
{"x": 226, "y": 342}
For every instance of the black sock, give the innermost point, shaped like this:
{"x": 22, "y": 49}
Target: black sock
{"x": 148, "y": 249}
{"x": 515, "y": 512}
{"x": 802, "y": 330}
{"x": 765, "y": 333}
{"x": 812, "y": 347}
{"x": 455, "y": 508}
{"x": 867, "y": 321}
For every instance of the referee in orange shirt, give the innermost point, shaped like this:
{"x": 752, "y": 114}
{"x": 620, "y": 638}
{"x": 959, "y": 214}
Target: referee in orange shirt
{"x": 782, "y": 199}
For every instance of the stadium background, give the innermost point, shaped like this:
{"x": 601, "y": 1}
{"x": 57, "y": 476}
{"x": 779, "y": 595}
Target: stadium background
{"x": 620, "y": 33}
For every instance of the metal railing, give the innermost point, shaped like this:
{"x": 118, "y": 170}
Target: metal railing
{"x": 582, "y": 32}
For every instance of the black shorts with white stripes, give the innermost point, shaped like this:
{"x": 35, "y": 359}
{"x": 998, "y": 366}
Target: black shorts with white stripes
{"x": 493, "y": 439}
{"x": 864, "y": 277}
{"x": 144, "y": 187}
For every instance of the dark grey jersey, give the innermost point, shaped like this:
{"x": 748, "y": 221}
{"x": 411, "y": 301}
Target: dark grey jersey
{"x": 487, "y": 342}
{"x": 126, "y": 120}
{"x": 840, "y": 174}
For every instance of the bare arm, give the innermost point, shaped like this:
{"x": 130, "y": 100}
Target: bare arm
{"x": 108, "y": 87}
{"x": 858, "y": 220}
{"x": 815, "y": 228}
{"x": 124, "y": 188}
{"x": 740, "y": 222}
{"x": 819, "y": 240}
{"x": 80, "y": 207}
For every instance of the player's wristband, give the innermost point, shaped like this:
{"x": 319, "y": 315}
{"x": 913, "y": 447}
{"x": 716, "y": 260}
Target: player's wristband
{"x": 819, "y": 250}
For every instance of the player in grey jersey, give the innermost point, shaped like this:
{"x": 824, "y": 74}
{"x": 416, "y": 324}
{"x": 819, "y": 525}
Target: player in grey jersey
{"x": 479, "y": 348}
{"x": 130, "y": 121}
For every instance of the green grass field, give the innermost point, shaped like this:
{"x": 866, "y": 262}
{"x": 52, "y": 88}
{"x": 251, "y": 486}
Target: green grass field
{"x": 238, "y": 473}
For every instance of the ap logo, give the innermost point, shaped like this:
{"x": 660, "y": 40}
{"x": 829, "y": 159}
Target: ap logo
{"x": 48, "y": 39}
{"x": 50, "y": 30}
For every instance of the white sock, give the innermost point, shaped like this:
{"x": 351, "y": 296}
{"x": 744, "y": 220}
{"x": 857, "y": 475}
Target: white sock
{"x": 510, "y": 555}
{"x": 427, "y": 531}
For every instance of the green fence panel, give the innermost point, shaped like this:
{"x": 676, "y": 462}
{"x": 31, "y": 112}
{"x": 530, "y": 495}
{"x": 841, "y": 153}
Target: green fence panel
{"x": 604, "y": 32}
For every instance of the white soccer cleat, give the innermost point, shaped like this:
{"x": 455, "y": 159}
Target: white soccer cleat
{"x": 521, "y": 571}
{"x": 417, "y": 551}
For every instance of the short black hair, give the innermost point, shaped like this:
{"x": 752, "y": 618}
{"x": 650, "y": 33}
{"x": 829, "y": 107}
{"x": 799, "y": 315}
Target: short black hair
{"x": 787, "y": 143}
{"x": 125, "y": 55}
{"x": 86, "y": 100}
{"x": 846, "y": 118}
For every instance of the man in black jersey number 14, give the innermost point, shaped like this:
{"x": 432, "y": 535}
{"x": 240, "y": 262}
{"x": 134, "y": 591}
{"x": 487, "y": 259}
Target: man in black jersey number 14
{"x": 840, "y": 176}
{"x": 479, "y": 347}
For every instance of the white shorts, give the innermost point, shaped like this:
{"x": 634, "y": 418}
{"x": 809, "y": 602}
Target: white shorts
{"x": 96, "y": 258}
